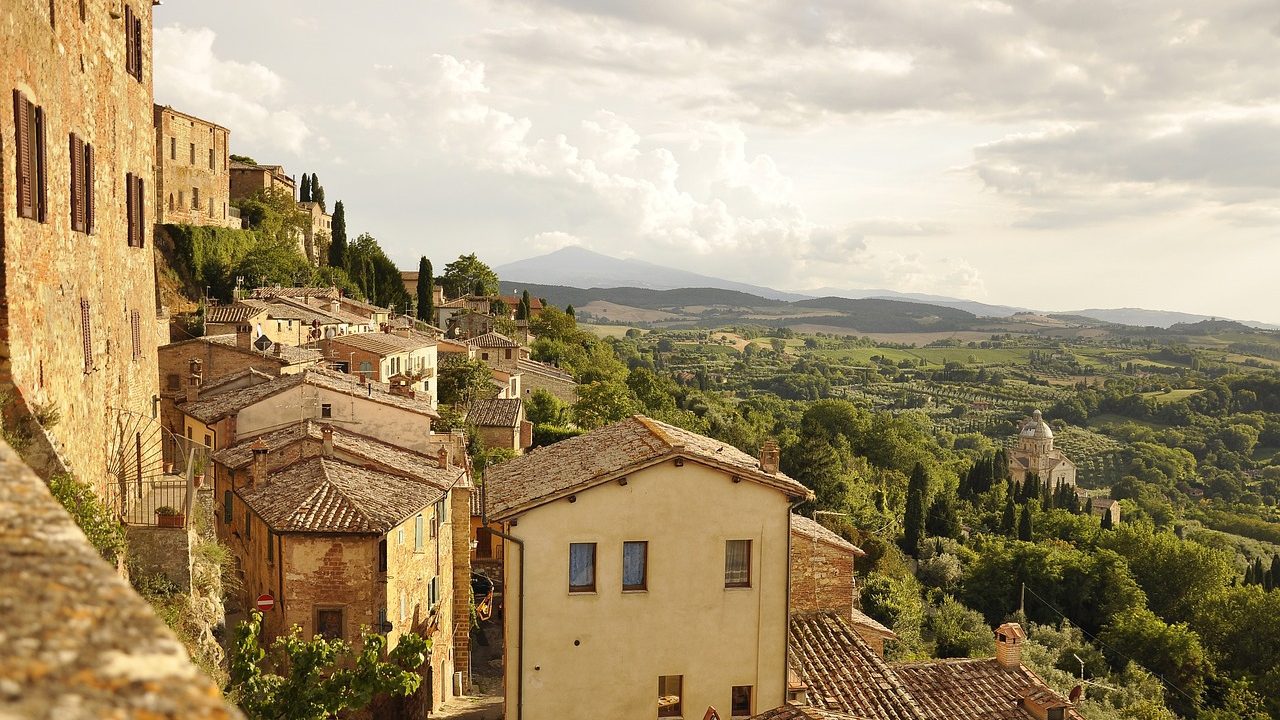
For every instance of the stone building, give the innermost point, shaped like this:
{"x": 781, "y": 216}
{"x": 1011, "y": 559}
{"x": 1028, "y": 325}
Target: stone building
{"x": 316, "y": 234}
{"x": 77, "y": 152}
{"x": 284, "y": 320}
{"x": 193, "y": 174}
{"x": 247, "y": 179}
{"x": 500, "y": 423}
{"x": 465, "y": 323}
{"x": 1035, "y": 455}
{"x": 622, "y": 591}
{"x": 822, "y": 572}
{"x": 344, "y": 531}
{"x": 380, "y": 356}
{"x": 499, "y": 351}
{"x": 541, "y": 376}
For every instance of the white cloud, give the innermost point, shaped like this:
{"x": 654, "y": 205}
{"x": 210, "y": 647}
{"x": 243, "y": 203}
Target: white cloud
{"x": 244, "y": 97}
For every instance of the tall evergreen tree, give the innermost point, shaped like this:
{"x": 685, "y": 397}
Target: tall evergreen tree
{"x": 304, "y": 189}
{"x": 1259, "y": 572}
{"x": 913, "y": 523}
{"x": 1248, "y": 575}
{"x": 1009, "y": 521}
{"x": 338, "y": 237}
{"x": 1088, "y": 506}
{"x": 426, "y": 289}
{"x": 942, "y": 520}
{"x": 525, "y": 309}
{"x": 1275, "y": 570}
{"x": 1106, "y": 520}
{"x": 568, "y": 310}
{"x": 1025, "y": 531}
{"x": 317, "y": 193}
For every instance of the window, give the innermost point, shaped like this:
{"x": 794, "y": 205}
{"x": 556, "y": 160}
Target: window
{"x": 173, "y": 381}
{"x": 740, "y": 701}
{"x": 484, "y": 543}
{"x": 28, "y": 120}
{"x": 326, "y": 410}
{"x": 193, "y": 153}
{"x": 366, "y": 368}
{"x": 173, "y": 148}
{"x": 134, "y": 194}
{"x": 582, "y": 567}
{"x": 484, "y": 356}
{"x": 400, "y": 536}
{"x": 135, "y": 326}
{"x": 86, "y": 335}
{"x": 133, "y": 43}
{"x": 417, "y": 533}
{"x": 210, "y": 158}
{"x": 382, "y": 555}
{"x": 81, "y": 185}
{"x": 635, "y": 565}
{"x": 508, "y": 353}
{"x": 228, "y": 511}
{"x": 433, "y": 593}
{"x": 737, "y": 563}
{"x": 195, "y": 198}
{"x": 271, "y": 546}
{"x": 669, "y": 691}
{"x": 329, "y": 624}
{"x": 170, "y": 202}
{"x": 248, "y": 526}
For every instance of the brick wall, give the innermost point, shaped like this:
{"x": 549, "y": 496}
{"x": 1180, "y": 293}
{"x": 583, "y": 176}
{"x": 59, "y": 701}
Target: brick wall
{"x": 821, "y": 577}
{"x": 191, "y": 168}
{"x": 460, "y": 516}
{"x": 75, "y": 69}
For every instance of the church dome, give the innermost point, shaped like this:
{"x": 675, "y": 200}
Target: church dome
{"x": 1036, "y": 428}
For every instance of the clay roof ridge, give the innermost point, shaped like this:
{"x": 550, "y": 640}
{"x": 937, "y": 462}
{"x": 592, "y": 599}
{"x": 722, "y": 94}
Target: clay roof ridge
{"x": 657, "y": 431}
{"x": 331, "y": 481}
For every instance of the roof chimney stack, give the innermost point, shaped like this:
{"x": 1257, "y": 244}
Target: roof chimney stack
{"x": 244, "y": 336}
{"x": 443, "y": 457}
{"x": 258, "y": 470}
{"x": 1009, "y": 637}
{"x": 770, "y": 455}
{"x": 326, "y": 432}
{"x": 193, "y": 381}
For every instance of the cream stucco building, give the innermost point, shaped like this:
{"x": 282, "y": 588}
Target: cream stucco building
{"x": 1035, "y": 454}
{"x": 646, "y": 575}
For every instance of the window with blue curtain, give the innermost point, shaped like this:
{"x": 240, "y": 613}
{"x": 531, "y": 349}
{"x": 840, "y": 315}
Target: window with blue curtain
{"x": 635, "y": 562}
{"x": 582, "y": 567}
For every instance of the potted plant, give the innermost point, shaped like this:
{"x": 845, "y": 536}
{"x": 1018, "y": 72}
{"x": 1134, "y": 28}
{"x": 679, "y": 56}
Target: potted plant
{"x": 197, "y": 471}
{"x": 169, "y": 516}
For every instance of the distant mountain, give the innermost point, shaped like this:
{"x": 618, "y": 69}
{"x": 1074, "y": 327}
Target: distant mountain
{"x": 578, "y": 267}
{"x": 1157, "y": 318}
{"x": 969, "y": 306}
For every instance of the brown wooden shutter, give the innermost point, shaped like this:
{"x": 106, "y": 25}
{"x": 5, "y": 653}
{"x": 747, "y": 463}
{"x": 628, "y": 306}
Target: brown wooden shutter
{"x": 137, "y": 47}
{"x": 42, "y": 197}
{"x": 139, "y": 201}
{"x": 88, "y": 188}
{"x": 135, "y": 321}
{"x": 128, "y": 205}
{"x": 86, "y": 334}
{"x": 77, "y": 183}
{"x": 128, "y": 39}
{"x": 22, "y": 130}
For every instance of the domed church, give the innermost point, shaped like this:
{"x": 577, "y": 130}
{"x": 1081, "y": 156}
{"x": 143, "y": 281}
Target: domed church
{"x": 1034, "y": 453}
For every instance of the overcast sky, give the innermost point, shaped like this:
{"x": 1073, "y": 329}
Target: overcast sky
{"x": 1047, "y": 153}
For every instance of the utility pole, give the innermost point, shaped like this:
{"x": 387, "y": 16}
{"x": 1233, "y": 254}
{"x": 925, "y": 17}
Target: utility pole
{"x": 1022, "y": 601}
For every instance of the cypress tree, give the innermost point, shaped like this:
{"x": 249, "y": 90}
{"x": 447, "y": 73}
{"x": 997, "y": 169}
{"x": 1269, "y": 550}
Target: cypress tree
{"x": 1259, "y": 573}
{"x": 1008, "y": 521}
{"x": 1106, "y": 520}
{"x": 304, "y": 190}
{"x": 1025, "y": 532}
{"x": 568, "y": 310}
{"x": 1088, "y": 506}
{"x": 1248, "y": 575}
{"x": 425, "y": 288}
{"x": 913, "y": 523}
{"x": 1275, "y": 570}
{"x": 338, "y": 241}
{"x": 942, "y": 520}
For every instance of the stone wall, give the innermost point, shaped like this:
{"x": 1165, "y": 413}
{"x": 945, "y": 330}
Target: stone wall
{"x": 73, "y": 66}
{"x": 160, "y": 551}
{"x": 460, "y": 517}
{"x": 193, "y": 180}
{"x": 822, "y": 577}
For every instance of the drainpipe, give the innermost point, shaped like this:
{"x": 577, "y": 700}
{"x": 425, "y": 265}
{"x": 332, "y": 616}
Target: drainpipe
{"x": 484, "y": 522}
{"x": 786, "y": 617}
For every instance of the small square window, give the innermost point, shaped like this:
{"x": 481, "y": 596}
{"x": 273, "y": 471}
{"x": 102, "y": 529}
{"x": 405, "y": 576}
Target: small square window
{"x": 740, "y": 701}
{"x": 329, "y": 624}
{"x": 326, "y": 410}
{"x": 737, "y": 563}
{"x": 669, "y": 692}
{"x": 635, "y": 562}
{"x": 582, "y": 567}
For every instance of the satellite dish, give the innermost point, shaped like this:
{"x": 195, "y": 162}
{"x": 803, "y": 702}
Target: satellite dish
{"x": 263, "y": 343}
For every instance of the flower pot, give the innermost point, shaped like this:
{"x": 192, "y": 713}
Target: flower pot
{"x": 173, "y": 521}
{"x": 168, "y": 468}
{"x": 198, "y": 479}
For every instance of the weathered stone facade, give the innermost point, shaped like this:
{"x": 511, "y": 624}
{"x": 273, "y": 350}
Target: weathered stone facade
{"x": 193, "y": 175}
{"x": 315, "y": 236}
{"x": 822, "y": 573}
{"x": 248, "y": 179}
{"x": 77, "y": 320}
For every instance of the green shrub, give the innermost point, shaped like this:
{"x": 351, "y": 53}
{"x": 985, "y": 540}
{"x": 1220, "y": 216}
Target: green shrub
{"x": 93, "y": 516}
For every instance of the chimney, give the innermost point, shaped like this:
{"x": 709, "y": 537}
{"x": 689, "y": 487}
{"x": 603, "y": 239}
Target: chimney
{"x": 244, "y": 336}
{"x": 193, "y": 381}
{"x": 769, "y": 457}
{"x": 1009, "y": 637}
{"x": 334, "y": 306}
{"x": 258, "y": 470}
{"x": 326, "y": 432}
{"x": 443, "y": 457}
{"x": 401, "y": 387}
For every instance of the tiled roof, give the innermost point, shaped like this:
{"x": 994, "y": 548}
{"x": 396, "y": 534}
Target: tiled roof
{"x": 382, "y": 343}
{"x": 404, "y": 462}
{"x": 814, "y": 530}
{"x": 266, "y": 293}
{"x": 320, "y": 306}
{"x": 250, "y": 372}
{"x": 290, "y": 354}
{"x": 233, "y": 401}
{"x": 446, "y": 345}
{"x": 323, "y": 494}
{"x": 587, "y": 460}
{"x": 844, "y": 674}
{"x": 860, "y": 619}
{"x": 981, "y": 689}
{"x": 361, "y": 304}
{"x": 454, "y": 303}
{"x": 801, "y": 712}
{"x": 495, "y": 412}
{"x": 492, "y": 339}
{"x": 234, "y": 313}
{"x": 514, "y": 300}
{"x": 540, "y": 368}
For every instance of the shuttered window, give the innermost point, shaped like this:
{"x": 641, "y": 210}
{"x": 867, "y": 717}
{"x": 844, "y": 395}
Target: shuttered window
{"x": 28, "y": 120}
{"x": 135, "y": 325}
{"x": 86, "y": 335}
{"x": 134, "y": 192}
{"x": 81, "y": 155}
{"x": 133, "y": 43}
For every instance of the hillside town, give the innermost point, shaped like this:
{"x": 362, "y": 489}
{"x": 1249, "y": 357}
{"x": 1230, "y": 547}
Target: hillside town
{"x": 300, "y": 463}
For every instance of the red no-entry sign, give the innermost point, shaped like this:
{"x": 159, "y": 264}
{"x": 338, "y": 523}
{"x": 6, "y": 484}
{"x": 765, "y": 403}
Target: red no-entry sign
{"x": 266, "y": 602}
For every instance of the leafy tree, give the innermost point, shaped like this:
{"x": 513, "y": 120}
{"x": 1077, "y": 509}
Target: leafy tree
{"x": 816, "y": 464}
{"x": 319, "y": 679}
{"x": 273, "y": 262}
{"x": 1173, "y": 651}
{"x": 273, "y": 214}
{"x": 468, "y": 274}
{"x": 304, "y": 189}
{"x": 958, "y": 631}
{"x": 913, "y": 522}
{"x": 242, "y": 158}
{"x": 375, "y": 274}
{"x": 553, "y": 324}
{"x": 568, "y": 310}
{"x": 338, "y": 243}
{"x": 543, "y": 408}
{"x": 1025, "y": 532}
{"x": 1009, "y": 520}
{"x": 426, "y": 291}
{"x": 463, "y": 381}
{"x": 602, "y": 402}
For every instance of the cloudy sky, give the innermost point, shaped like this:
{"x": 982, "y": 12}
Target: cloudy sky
{"x": 1042, "y": 153}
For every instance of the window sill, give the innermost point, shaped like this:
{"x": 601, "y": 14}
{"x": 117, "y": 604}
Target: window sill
{"x": 583, "y": 592}
{"x": 634, "y": 591}
{"x": 738, "y": 588}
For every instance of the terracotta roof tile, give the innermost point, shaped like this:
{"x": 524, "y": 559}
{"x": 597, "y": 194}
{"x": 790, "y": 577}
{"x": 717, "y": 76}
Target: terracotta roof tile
{"x": 266, "y": 293}
{"x": 812, "y": 529}
{"x": 496, "y": 412}
{"x": 234, "y": 313}
{"x": 492, "y": 339}
{"x": 587, "y": 460}
{"x": 289, "y": 354}
{"x": 844, "y": 674}
{"x": 801, "y": 712}
{"x": 381, "y": 343}
{"x": 981, "y": 689}
{"x": 323, "y": 494}
{"x": 215, "y": 408}
{"x": 540, "y": 368}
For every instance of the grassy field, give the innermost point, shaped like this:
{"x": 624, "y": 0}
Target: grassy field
{"x": 1164, "y": 398}
{"x": 606, "y": 331}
